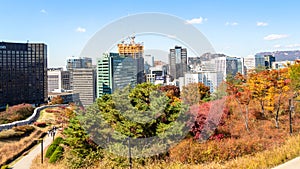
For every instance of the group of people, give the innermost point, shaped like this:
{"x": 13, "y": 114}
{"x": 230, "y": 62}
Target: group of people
{"x": 52, "y": 131}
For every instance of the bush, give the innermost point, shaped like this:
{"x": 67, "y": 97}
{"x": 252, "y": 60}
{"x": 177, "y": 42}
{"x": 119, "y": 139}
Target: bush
{"x": 57, "y": 140}
{"x": 53, "y": 147}
{"x": 58, "y": 153}
{"x": 50, "y": 150}
{"x": 5, "y": 167}
{"x": 16, "y": 113}
{"x": 16, "y": 132}
{"x": 26, "y": 129}
{"x": 40, "y": 124}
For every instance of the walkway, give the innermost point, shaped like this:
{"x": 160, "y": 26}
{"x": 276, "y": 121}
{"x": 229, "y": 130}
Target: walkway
{"x": 293, "y": 164}
{"x": 26, "y": 161}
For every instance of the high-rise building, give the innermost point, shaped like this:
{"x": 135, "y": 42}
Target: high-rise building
{"x": 82, "y": 78}
{"x": 23, "y": 73}
{"x": 210, "y": 79}
{"x": 269, "y": 60}
{"x": 132, "y": 49}
{"x": 226, "y": 65}
{"x": 58, "y": 79}
{"x": 116, "y": 72}
{"x": 178, "y": 62}
{"x": 78, "y": 62}
{"x": 251, "y": 62}
{"x": 84, "y": 84}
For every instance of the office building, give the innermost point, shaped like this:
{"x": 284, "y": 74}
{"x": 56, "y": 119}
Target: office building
{"x": 226, "y": 65}
{"x": 116, "y": 72}
{"x": 84, "y": 84}
{"x": 210, "y": 79}
{"x": 78, "y": 62}
{"x": 281, "y": 64}
{"x": 252, "y": 62}
{"x": 178, "y": 62}
{"x": 269, "y": 60}
{"x": 58, "y": 79}
{"x": 23, "y": 73}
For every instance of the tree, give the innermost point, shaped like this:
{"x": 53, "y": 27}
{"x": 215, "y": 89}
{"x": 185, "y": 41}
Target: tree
{"x": 77, "y": 141}
{"x": 279, "y": 88}
{"x": 57, "y": 100}
{"x": 195, "y": 93}
{"x": 294, "y": 74}
{"x": 136, "y": 113}
{"x": 259, "y": 84}
{"x": 241, "y": 93}
{"x": 171, "y": 91}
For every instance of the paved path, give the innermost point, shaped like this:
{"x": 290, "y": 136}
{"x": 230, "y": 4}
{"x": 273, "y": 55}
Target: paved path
{"x": 26, "y": 161}
{"x": 293, "y": 164}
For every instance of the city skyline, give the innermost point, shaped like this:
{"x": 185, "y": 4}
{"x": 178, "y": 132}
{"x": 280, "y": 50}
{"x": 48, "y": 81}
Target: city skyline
{"x": 233, "y": 28}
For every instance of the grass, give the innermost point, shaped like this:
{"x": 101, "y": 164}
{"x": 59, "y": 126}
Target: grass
{"x": 262, "y": 160}
{"x": 10, "y": 148}
{"x": 46, "y": 117}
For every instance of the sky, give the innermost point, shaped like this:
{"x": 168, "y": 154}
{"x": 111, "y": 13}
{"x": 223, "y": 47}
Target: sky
{"x": 235, "y": 28}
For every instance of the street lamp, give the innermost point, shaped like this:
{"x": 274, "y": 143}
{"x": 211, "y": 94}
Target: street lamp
{"x": 42, "y": 154}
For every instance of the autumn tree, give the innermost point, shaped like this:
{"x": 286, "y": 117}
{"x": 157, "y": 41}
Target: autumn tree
{"x": 195, "y": 93}
{"x": 241, "y": 93}
{"x": 278, "y": 90}
{"x": 57, "y": 100}
{"x": 259, "y": 84}
{"x": 294, "y": 74}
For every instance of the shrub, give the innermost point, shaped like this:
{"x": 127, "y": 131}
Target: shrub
{"x": 16, "y": 113}
{"x": 26, "y": 129}
{"x": 16, "y": 132}
{"x": 58, "y": 153}
{"x": 53, "y": 147}
{"x": 52, "y": 111}
{"x": 40, "y": 124}
{"x": 57, "y": 140}
{"x": 5, "y": 167}
{"x": 50, "y": 150}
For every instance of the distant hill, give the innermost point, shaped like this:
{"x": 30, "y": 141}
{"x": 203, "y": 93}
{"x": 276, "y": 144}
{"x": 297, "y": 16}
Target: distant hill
{"x": 283, "y": 55}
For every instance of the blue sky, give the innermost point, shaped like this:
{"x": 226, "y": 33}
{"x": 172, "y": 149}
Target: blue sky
{"x": 236, "y": 28}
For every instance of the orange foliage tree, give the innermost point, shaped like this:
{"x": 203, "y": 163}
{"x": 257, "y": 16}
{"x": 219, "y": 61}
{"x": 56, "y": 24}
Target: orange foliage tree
{"x": 239, "y": 90}
{"x": 195, "y": 93}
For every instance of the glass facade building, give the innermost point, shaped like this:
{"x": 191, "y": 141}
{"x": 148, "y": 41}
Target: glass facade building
{"x": 178, "y": 62}
{"x": 116, "y": 72}
{"x": 23, "y": 73}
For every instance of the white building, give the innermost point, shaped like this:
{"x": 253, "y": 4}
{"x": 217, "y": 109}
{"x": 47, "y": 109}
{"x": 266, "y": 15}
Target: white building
{"x": 226, "y": 65}
{"x": 281, "y": 64}
{"x": 251, "y": 62}
{"x": 58, "y": 79}
{"x": 210, "y": 79}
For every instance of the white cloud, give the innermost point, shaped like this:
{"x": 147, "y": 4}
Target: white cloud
{"x": 262, "y": 24}
{"x": 293, "y": 46}
{"x": 43, "y": 11}
{"x": 199, "y": 20}
{"x": 231, "y": 24}
{"x": 276, "y": 36}
{"x": 81, "y": 30}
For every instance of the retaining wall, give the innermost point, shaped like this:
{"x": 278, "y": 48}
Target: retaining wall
{"x": 29, "y": 120}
